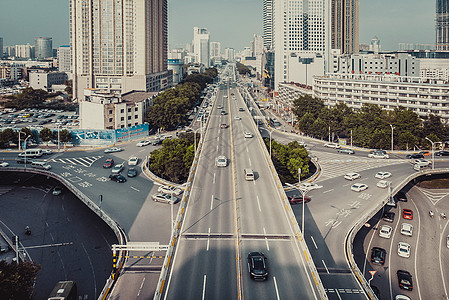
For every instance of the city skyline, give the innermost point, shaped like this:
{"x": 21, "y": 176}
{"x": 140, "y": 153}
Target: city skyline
{"x": 225, "y": 21}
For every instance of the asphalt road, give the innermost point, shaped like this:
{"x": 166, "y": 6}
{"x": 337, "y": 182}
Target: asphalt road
{"x": 27, "y": 200}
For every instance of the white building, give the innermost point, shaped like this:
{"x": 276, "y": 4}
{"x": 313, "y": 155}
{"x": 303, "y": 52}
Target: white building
{"x": 100, "y": 110}
{"x": 64, "y": 59}
{"x": 24, "y": 51}
{"x": 201, "y": 45}
{"x": 40, "y": 79}
{"x": 230, "y": 54}
{"x": 388, "y": 91}
{"x": 119, "y": 46}
{"x": 215, "y": 50}
{"x": 268, "y": 24}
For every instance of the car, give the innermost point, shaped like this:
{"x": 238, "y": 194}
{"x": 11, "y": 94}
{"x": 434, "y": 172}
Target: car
{"x": 309, "y": 186}
{"x": 447, "y": 241}
{"x": 423, "y": 162}
{"x": 383, "y": 184}
{"x": 237, "y": 118}
{"x": 378, "y": 255}
{"x": 117, "y": 168}
{"x": 165, "y": 198}
{"x": 400, "y": 196}
{"x": 405, "y": 280}
{"x": 223, "y": 113}
{"x": 257, "y": 266}
{"x": 388, "y": 216}
{"x": 108, "y": 163}
{"x": 442, "y": 153}
{"x": 385, "y": 231}
{"x": 165, "y": 189}
{"x": 407, "y": 214}
{"x": 241, "y": 109}
{"x": 132, "y": 172}
{"x": 248, "y": 134}
{"x": 219, "y": 107}
{"x": 358, "y": 187}
{"x": 407, "y": 229}
{"x": 157, "y": 142}
{"x": 133, "y": 161}
{"x": 23, "y": 160}
{"x": 346, "y": 151}
{"x": 223, "y": 125}
{"x": 221, "y": 161}
{"x": 294, "y": 199}
{"x": 332, "y": 145}
{"x": 380, "y": 154}
{"x": 414, "y": 156}
{"x": 143, "y": 143}
{"x": 57, "y": 190}
{"x": 117, "y": 178}
{"x": 351, "y": 176}
{"x": 401, "y": 297}
{"x": 47, "y": 151}
{"x": 425, "y": 153}
{"x": 404, "y": 249}
{"x": 383, "y": 175}
{"x": 113, "y": 149}
{"x": 4, "y": 164}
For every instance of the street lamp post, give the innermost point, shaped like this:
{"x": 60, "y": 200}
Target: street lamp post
{"x": 194, "y": 139}
{"x": 59, "y": 126}
{"x": 270, "y": 132}
{"x": 392, "y": 128}
{"x": 25, "y": 150}
{"x": 20, "y": 132}
{"x": 303, "y": 192}
{"x": 433, "y": 153}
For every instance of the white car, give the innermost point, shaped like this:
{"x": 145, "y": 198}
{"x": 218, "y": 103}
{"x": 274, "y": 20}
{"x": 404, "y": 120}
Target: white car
{"x": 133, "y": 161}
{"x": 358, "y": 187}
{"x": 164, "y": 198}
{"x": 407, "y": 229}
{"x": 378, "y": 154}
{"x": 113, "y": 149}
{"x": 383, "y": 175}
{"x": 221, "y": 161}
{"x": 404, "y": 249}
{"x": 385, "y": 231}
{"x": 352, "y": 176}
{"x": 47, "y": 151}
{"x": 309, "y": 186}
{"x": 237, "y": 118}
{"x": 143, "y": 143}
{"x": 383, "y": 184}
{"x": 332, "y": 145}
{"x": 117, "y": 168}
{"x": 165, "y": 189}
{"x": 248, "y": 134}
{"x": 4, "y": 164}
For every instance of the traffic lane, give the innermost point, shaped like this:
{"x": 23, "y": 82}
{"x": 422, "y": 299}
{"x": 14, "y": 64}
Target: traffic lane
{"x": 203, "y": 269}
{"x": 287, "y": 274}
{"x": 54, "y": 220}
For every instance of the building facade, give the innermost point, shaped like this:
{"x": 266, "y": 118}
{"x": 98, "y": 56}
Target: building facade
{"x": 43, "y": 47}
{"x": 442, "y": 25}
{"x": 230, "y": 54}
{"x": 201, "y": 46}
{"x": 268, "y": 24}
{"x": 345, "y": 26}
{"x": 24, "y": 51}
{"x": 1, "y": 47}
{"x": 119, "y": 46}
{"x": 64, "y": 59}
{"x": 40, "y": 79}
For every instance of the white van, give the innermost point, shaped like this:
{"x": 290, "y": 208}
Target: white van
{"x": 249, "y": 174}
{"x": 31, "y": 153}
{"x": 40, "y": 165}
{"x": 421, "y": 164}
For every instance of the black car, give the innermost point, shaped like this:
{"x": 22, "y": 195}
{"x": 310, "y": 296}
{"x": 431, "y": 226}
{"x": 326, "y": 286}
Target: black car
{"x": 257, "y": 266}
{"x": 157, "y": 142}
{"x": 117, "y": 178}
{"x": 405, "y": 280}
{"x": 414, "y": 156}
{"x": 378, "y": 255}
{"x": 132, "y": 172}
{"x": 241, "y": 109}
{"x": 400, "y": 196}
{"x": 442, "y": 153}
{"x": 22, "y": 160}
{"x": 388, "y": 216}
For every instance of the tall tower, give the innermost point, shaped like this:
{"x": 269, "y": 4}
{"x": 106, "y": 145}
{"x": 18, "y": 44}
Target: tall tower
{"x": 268, "y": 24}
{"x": 201, "y": 46}
{"x": 442, "y": 25}
{"x": 345, "y": 26}
{"x": 118, "y": 45}
{"x": 43, "y": 47}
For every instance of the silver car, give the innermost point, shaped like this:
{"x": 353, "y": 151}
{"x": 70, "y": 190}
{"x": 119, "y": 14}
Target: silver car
{"x": 165, "y": 198}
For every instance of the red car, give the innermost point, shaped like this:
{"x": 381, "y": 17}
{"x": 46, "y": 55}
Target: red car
{"x": 223, "y": 125}
{"x": 294, "y": 199}
{"x": 108, "y": 163}
{"x": 407, "y": 214}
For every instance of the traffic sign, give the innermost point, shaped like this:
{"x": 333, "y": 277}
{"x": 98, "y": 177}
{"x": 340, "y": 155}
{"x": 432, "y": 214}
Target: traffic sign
{"x": 372, "y": 273}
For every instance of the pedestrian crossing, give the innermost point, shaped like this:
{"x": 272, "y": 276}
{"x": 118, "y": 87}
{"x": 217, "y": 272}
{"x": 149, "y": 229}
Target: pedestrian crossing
{"x": 86, "y": 161}
{"x": 336, "y": 165}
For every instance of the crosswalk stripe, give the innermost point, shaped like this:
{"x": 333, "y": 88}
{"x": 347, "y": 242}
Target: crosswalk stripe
{"x": 78, "y": 161}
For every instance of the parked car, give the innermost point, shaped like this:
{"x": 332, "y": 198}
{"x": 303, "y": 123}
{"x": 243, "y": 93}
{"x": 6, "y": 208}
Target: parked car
{"x": 113, "y": 149}
{"x": 4, "y": 164}
{"x": 165, "y": 189}
{"x": 378, "y": 255}
{"x": 405, "y": 280}
{"x": 132, "y": 172}
{"x": 358, "y": 187}
{"x": 346, "y": 151}
{"x": 383, "y": 175}
{"x": 117, "y": 178}
{"x": 108, "y": 163}
{"x": 257, "y": 265}
{"x": 143, "y": 143}
{"x": 351, "y": 176}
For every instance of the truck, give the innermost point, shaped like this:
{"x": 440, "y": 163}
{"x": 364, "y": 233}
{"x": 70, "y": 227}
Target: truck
{"x": 64, "y": 290}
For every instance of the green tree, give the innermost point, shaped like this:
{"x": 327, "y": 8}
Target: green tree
{"x": 45, "y": 135}
{"x": 65, "y": 136}
{"x": 17, "y": 281}
{"x": 320, "y": 128}
{"x": 407, "y": 140}
{"x": 7, "y": 136}
{"x": 307, "y": 104}
{"x": 306, "y": 123}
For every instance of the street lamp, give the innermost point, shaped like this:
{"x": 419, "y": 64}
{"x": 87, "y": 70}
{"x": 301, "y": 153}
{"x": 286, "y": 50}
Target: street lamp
{"x": 25, "y": 150}
{"x": 59, "y": 127}
{"x": 433, "y": 153}
{"x": 194, "y": 139}
{"x": 270, "y": 132}
{"x": 20, "y": 132}
{"x": 392, "y": 128}
{"x": 303, "y": 192}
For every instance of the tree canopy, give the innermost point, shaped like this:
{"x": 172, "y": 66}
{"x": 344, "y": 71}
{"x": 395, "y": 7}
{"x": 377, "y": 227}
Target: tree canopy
{"x": 17, "y": 281}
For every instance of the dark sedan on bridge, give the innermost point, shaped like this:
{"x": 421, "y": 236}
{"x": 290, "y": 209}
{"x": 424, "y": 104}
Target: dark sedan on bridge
{"x": 257, "y": 266}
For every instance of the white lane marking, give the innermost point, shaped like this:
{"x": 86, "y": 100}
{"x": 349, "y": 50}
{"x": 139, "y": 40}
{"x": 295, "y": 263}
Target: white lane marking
{"x": 141, "y": 286}
{"x": 313, "y": 240}
{"x": 266, "y": 240}
{"x": 217, "y": 147}
{"x": 416, "y": 249}
{"x": 211, "y": 202}
{"x": 276, "y": 287}
{"x": 258, "y": 203}
{"x": 338, "y": 294}
{"x": 214, "y": 179}
{"x": 135, "y": 189}
{"x": 91, "y": 267}
{"x": 208, "y": 239}
{"x": 328, "y": 191}
{"x": 249, "y": 161}
{"x": 247, "y": 150}
{"x": 439, "y": 257}
{"x": 204, "y": 288}
{"x": 327, "y": 270}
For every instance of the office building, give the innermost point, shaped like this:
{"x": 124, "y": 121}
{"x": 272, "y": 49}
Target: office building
{"x": 24, "y": 51}
{"x": 268, "y": 24}
{"x": 1, "y": 47}
{"x": 176, "y": 65}
{"x": 64, "y": 59}
{"x": 215, "y": 49}
{"x": 345, "y": 26}
{"x": 230, "y": 54}
{"x": 201, "y": 45}
{"x": 43, "y": 47}
{"x": 119, "y": 45}
{"x": 442, "y": 25}
{"x": 39, "y": 79}
{"x": 375, "y": 45}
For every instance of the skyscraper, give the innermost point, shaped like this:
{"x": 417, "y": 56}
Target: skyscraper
{"x": 268, "y": 23}
{"x": 119, "y": 45}
{"x": 442, "y": 25}
{"x": 345, "y": 26}
{"x": 43, "y": 47}
{"x": 201, "y": 46}
{"x": 64, "y": 59}
{"x": 1, "y": 47}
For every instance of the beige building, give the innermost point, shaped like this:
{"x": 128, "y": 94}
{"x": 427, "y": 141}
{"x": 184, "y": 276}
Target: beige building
{"x": 345, "y": 26}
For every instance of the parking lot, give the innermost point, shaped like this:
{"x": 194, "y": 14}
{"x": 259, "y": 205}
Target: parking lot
{"x": 38, "y": 119}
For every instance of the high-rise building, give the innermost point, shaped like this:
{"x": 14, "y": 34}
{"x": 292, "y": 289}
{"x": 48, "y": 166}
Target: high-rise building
{"x": 64, "y": 59}
{"x": 24, "y": 51}
{"x": 43, "y": 47}
{"x": 442, "y": 25}
{"x": 201, "y": 46}
{"x": 119, "y": 45}
{"x": 230, "y": 54}
{"x": 215, "y": 49}
{"x": 268, "y": 23}
{"x": 1, "y": 47}
{"x": 345, "y": 26}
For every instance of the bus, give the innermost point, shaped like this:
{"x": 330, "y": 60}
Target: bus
{"x": 64, "y": 290}
{"x": 274, "y": 122}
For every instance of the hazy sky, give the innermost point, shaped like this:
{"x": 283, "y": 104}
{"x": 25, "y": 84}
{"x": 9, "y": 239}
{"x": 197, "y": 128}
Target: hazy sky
{"x": 232, "y": 22}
